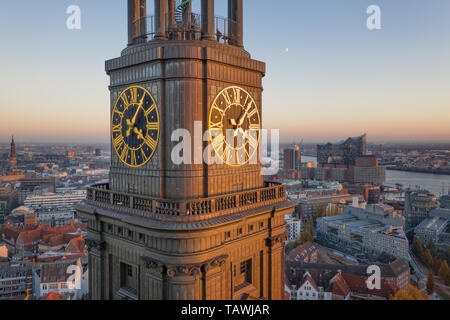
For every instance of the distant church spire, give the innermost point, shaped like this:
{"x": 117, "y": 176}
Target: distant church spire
{"x": 13, "y": 157}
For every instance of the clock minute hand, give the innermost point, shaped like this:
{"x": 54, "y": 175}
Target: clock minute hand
{"x": 241, "y": 120}
{"x": 137, "y": 111}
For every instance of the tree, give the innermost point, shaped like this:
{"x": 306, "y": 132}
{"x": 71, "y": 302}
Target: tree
{"x": 417, "y": 247}
{"x": 427, "y": 258}
{"x": 336, "y": 210}
{"x": 430, "y": 282}
{"x": 306, "y": 237}
{"x": 409, "y": 293}
{"x": 443, "y": 270}
{"x": 436, "y": 265}
{"x": 432, "y": 248}
{"x": 320, "y": 210}
{"x": 447, "y": 279}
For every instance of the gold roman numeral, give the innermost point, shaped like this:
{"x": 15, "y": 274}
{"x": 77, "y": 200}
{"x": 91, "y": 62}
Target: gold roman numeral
{"x": 217, "y": 125}
{"x": 150, "y": 110}
{"x": 218, "y": 109}
{"x": 117, "y": 128}
{"x": 252, "y": 113}
{"x": 124, "y": 155}
{"x": 144, "y": 156}
{"x": 152, "y": 126}
{"x": 150, "y": 142}
{"x": 133, "y": 158}
{"x": 134, "y": 95}
{"x": 118, "y": 141}
{"x": 253, "y": 142}
{"x": 218, "y": 141}
{"x": 126, "y": 103}
{"x": 237, "y": 95}
{"x": 229, "y": 155}
{"x": 227, "y": 98}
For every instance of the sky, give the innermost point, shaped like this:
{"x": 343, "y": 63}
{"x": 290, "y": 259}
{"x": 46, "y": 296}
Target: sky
{"x": 328, "y": 76}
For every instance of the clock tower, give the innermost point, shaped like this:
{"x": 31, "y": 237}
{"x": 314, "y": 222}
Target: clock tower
{"x": 199, "y": 229}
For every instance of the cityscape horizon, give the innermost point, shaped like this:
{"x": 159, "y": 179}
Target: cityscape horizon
{"x": 235, "y": 158}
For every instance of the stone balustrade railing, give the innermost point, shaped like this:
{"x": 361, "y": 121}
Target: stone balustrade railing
{"x": 185, "y": 210}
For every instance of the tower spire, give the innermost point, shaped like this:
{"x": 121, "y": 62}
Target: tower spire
{"x": 13, "y": 157}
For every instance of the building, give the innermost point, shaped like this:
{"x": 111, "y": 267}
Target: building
{"x": 307, "y": 252}
{"x": 64, "y": 277}
{"x": 444, "y": 202}
{"x": 31, "y": 184}
{"x": 162, "y": 230}
{"x": 56, "y": 201}
{"x": 312, "y": 281}
{"x": 55, "y": 218}
{"x": 23, "y": 240}
{"x": 370, "y": 175}
{"x": 345, "y": 152}
{"x": 15, "y": 280}
{"x": 12, "y": 155}
{"x": 3, "y": 251}
{"x": 365, "y": 233}
{"x": 293, "y": 228}
{"x": 418, "y": 205}
{"x": 292, "y": 158}
{"x": 8, "y": 200}
{"x": 302, "y": 286}
{"x": 435, "y": 228}
{"x": 308, "y": 207}
{"x": 372, "y": 194}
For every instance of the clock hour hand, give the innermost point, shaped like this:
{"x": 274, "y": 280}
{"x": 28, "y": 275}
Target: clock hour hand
{"x": 139, "y": 133}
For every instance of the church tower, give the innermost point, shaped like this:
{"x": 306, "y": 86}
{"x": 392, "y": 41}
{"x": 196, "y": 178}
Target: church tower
{"x": 209, "y": 226}
{"x": 12, "y": 155}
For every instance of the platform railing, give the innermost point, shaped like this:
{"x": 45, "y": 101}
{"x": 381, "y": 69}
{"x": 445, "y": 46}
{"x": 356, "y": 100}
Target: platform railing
{"x": 186, "y": 210}
{"x": 188, "y": 29}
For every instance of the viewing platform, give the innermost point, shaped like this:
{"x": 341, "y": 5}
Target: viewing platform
{"x": 185, "y": 210}
{"x": 174, "y": 20}
{"x": 188, "y": 29}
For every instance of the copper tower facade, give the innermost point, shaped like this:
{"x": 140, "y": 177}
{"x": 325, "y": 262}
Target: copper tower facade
{"x": 185, "y": 231}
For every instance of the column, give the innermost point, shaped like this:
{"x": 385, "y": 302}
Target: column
{"x": 137, "y": 24}
{"x": 171, "y": 17}
{"x": 236, "y": 30}
{"x": 161, "y": 10}
{"x": 208, "y": 20}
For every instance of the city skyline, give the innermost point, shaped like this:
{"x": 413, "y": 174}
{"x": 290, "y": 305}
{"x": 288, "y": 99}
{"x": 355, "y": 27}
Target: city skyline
{"x": 328, "y": 76}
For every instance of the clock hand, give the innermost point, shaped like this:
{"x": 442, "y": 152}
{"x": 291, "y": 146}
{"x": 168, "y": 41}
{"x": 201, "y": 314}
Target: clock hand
{"x": 241, "y": 119}
{"x": 133, "y": 121}
{"x": 137, "y": 111}
{"x": 139, "y": 133}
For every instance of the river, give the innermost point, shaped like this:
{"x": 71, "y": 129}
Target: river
{"x": 437, "y": 184}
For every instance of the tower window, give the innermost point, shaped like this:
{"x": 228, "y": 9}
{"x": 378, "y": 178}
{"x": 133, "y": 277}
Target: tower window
{"x": 129, "y": 271}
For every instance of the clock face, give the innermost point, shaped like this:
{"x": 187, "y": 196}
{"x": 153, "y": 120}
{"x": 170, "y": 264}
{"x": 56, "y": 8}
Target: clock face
{"x": 234, "y": 126}
{"x": 135, "y": 126}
